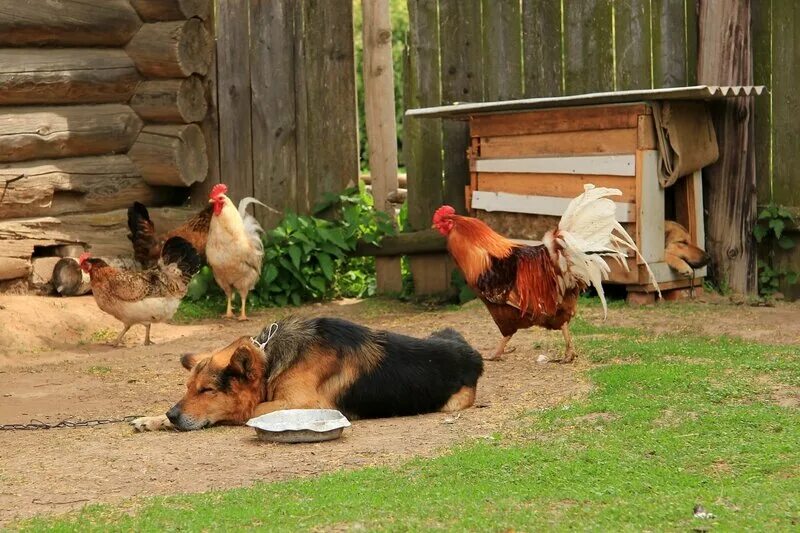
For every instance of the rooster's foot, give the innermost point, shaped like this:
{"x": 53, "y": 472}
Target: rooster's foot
{"x": 148, "y": 342}
{"x": 242, "y": 319}
{"x": 227, "y": 315}
{"x": 498, "y": 355}
{"x": 568, "y": 358}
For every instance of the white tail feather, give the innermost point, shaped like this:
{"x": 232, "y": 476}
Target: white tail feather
{"x": 251, "y": 225}
{"x": 588, "y": 232}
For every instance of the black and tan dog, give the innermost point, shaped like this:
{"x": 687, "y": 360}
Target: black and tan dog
{"x": 680, "y": 253}
{"x": 324, "y": 363}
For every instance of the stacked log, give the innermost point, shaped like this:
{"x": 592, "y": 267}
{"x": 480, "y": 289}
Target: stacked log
{"x": 100, "y": 102}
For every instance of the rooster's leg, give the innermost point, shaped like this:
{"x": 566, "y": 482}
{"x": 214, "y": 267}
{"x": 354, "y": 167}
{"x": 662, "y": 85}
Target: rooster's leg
{"x": 121, "y": 334}
{"x": 147, "y": 341}
{"x": 501, "y": 349}
{"x": 569, "y": 352}
{"x": 243, "y": 314}
{"x": 229, "y": 311}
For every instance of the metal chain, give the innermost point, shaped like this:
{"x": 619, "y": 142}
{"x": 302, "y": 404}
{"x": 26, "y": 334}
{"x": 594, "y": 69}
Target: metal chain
{"x": 66, "y": 423}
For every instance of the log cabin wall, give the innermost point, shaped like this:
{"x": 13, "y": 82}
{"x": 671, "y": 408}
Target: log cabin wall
{"x": 102, "y": 103}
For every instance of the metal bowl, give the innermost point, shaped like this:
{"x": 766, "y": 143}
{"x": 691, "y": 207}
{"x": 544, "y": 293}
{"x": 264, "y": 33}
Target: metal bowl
{"x": 300, "y": 425}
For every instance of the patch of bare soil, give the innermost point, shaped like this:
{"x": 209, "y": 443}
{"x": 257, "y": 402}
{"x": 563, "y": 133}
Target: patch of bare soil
{"x": 50, "y": 471}
{"x": 53, "y": 366}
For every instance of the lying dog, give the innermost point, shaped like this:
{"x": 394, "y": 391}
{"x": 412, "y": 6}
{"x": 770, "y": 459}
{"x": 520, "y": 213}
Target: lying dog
{"x": 679, "y": 252}
{"x": 324, "y": 363}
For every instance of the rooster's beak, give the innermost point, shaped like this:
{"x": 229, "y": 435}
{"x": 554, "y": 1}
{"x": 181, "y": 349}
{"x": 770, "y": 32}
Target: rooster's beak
{"x": 433, "y": 226}
{"x": 211, "y": 200}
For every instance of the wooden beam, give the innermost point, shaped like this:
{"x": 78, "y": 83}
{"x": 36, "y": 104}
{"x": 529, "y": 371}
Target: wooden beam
{"x": 66, "y": 76}
{"x": 181, "y": 100}
{"x": 160, "y": 10}
{"x": 725, "y": 58}
{"x": 67, "y": 22}
{"x": 66, "y": 131}
{"x": 381, "y": 127}
{"x": 603, "y": 117}
{"x": 171, "y": 49}
{"x": 418, "y": 242}
{"x": 560, "y": 185}
{"x": 173, "y": 155}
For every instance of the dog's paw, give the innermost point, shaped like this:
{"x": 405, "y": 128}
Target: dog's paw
{"x": 151, "y": 423}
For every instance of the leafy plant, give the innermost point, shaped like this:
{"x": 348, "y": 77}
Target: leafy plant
{"x": 309, "y": 258}
{"x": 770, "y": 233}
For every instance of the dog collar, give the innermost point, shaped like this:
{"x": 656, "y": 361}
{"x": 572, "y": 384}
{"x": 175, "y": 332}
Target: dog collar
{"x": 273, "y": 329}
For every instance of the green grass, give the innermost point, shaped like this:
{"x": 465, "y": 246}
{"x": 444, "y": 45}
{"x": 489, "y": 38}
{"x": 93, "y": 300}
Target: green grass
{"x": 672, "y": 421}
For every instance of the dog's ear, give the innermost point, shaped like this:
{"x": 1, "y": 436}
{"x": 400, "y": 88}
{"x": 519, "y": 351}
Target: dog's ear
{"x": 241, "y": 363}
{"x": 188, "y": 360}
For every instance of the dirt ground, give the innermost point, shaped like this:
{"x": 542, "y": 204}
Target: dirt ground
{"x": 54, "y": 365}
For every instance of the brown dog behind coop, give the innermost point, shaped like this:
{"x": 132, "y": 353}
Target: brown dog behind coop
{"x": 325, "y": 363}
{"x": 680, "y": 253}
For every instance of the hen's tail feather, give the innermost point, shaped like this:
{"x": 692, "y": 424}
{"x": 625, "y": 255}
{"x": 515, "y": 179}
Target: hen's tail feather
{"x": 179, "y": 251}
{"x": 251, "y": 225}
{"x": 589, "y": 231}
{"x": 142, "y": 233}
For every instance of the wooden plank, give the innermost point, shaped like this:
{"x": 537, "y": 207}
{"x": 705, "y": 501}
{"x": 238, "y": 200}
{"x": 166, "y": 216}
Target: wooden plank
{"x": 462, "y": 76}
{"x": 539, "y": 205}
{"x": 786, "y": 103}
{"x": 588, "y": 46}
{"x": 156, "y": 10}
{"x": 272, "y": 78}
{"x": 541, "y": 48}
{"x": 650, "y": 207}
{"x": 632, "y": 41}
{"x": 762, "y": 75}
{"x": 620, "y": 275}
{"x": 502, "y": 50}
{"x": 67, "y": 22}
{"x": 669, "y": 43}
{"x": 603, "y": 117}
{"x": 65, "y": 131}
{"x": 423, "y": 140}
{"x": 725, "y": 58}
{"x": 381, "y": 126}
{"x": 607, "y": 165}
{"x": 235, "y": 109}
{"x": 646, "y": 135}
{"x": 60, "y": 76}
{"x": 667, "y": 279}
{"x": 75, "y": 184}
{"x": 425, "y": 241}
{"x": 331, "y": 129}
{"x": 615, "y": 141}
{"x": 561, "y": 185}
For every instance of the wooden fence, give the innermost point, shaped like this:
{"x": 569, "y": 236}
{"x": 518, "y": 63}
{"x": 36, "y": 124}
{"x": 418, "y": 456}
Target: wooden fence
{"x": 285, "y": 102}
{"x": 483, "y": 50}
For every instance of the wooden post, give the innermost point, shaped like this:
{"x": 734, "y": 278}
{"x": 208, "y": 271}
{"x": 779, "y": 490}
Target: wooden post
{"x": 381, "y": 127}
{"x": 725, "y": 58}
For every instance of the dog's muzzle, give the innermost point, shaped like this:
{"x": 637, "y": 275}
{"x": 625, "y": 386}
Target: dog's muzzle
{"x": 182, "y": 422}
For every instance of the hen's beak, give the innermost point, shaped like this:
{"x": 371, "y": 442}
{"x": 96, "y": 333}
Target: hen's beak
{"x": 433, "y": 226}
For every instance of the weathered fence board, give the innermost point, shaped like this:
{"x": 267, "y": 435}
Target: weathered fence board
{"x": 786, "y": 102}
{"x": 541, "y": 46}
{"x": 210, "y": 124}
{"x": 762, "y": 67}
{"x": 632, "y": 43}
{"x": 670, "y": 47}
{"x": 273, "y": 99}
{"x": 329, "y": 149}
{"x": 233, "y": 92}
{"x": 502, "y": 49}
{"x": 588, "y": 49}
{"x": 462, "y": 75}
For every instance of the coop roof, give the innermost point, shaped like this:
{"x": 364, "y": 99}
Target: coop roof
{"x": 698, "y": 92}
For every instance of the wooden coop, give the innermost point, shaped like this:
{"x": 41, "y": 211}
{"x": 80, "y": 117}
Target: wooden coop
{"x": 529, "y": 158}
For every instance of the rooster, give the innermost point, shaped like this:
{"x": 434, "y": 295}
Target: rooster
{"x": 147, "y": 245}
{"x": 234, "y": 249}
{"x": 147, "y": 296}
{"x": 522, "y": 285}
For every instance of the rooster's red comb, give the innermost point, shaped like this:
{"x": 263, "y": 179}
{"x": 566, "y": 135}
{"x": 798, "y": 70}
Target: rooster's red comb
{"x": 442, "y": 212}
{"x": 84, "y": 256}
{"x": 216, "y": 190}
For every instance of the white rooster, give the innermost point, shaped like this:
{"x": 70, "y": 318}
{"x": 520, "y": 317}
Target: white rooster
{"x": 234, "y": 250}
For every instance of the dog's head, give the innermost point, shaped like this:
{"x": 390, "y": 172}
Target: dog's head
{"x": 224, "y": 387}
{"x": 686, "y": 256}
